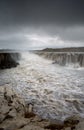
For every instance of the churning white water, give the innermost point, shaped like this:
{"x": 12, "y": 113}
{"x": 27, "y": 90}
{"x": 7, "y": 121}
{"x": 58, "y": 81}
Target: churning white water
{"x": 56, "y": 92}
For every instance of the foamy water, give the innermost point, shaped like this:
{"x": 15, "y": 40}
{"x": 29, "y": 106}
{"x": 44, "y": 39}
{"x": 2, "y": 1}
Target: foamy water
{"x": 56, "y": 92}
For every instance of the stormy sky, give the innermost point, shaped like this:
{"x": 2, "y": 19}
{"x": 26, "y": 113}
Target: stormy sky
{"x": 37, "y": 24}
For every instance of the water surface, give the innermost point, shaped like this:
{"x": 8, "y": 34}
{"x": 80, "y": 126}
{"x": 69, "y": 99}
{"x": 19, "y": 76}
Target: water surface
{"x": 56, "y": 92}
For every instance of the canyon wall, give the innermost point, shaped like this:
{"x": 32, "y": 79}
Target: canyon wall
{"x": 8, "y": 60}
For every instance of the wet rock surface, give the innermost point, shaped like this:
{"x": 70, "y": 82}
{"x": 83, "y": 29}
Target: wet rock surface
{"x": 15, "y": 114}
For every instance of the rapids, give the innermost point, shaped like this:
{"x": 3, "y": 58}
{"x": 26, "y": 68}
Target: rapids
{"x": 56, "y": 92}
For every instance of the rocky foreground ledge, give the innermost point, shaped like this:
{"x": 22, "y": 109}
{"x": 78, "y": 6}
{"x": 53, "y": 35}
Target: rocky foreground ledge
{"x": 16, "y": 114}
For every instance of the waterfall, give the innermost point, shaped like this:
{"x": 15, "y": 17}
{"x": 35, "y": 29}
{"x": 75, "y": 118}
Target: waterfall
{"x": 15, "y": 56}
{"x": 75, "y": 59}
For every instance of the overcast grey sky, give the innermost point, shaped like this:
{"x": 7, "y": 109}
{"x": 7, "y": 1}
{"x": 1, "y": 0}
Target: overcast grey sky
{"x": 33, "y": 24}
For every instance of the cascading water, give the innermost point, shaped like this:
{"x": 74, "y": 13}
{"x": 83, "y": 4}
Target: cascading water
{"x": 75, "y": 59}
{"x": 15, "y": 56}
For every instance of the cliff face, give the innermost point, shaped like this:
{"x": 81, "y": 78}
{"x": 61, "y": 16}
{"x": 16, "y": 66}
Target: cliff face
{"x": 8, "y": 60}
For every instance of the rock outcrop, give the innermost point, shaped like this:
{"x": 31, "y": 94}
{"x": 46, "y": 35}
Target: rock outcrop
{"x": 15, "y": 114}
{"x": 7, "y": 60}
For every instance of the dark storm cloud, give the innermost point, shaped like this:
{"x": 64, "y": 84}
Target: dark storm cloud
{"x": 41, "y": 23}
{"x": 61, "y": 12}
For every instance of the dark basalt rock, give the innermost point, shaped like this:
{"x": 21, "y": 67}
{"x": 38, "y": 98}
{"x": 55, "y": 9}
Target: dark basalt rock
{"x": 7, "y": 60}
